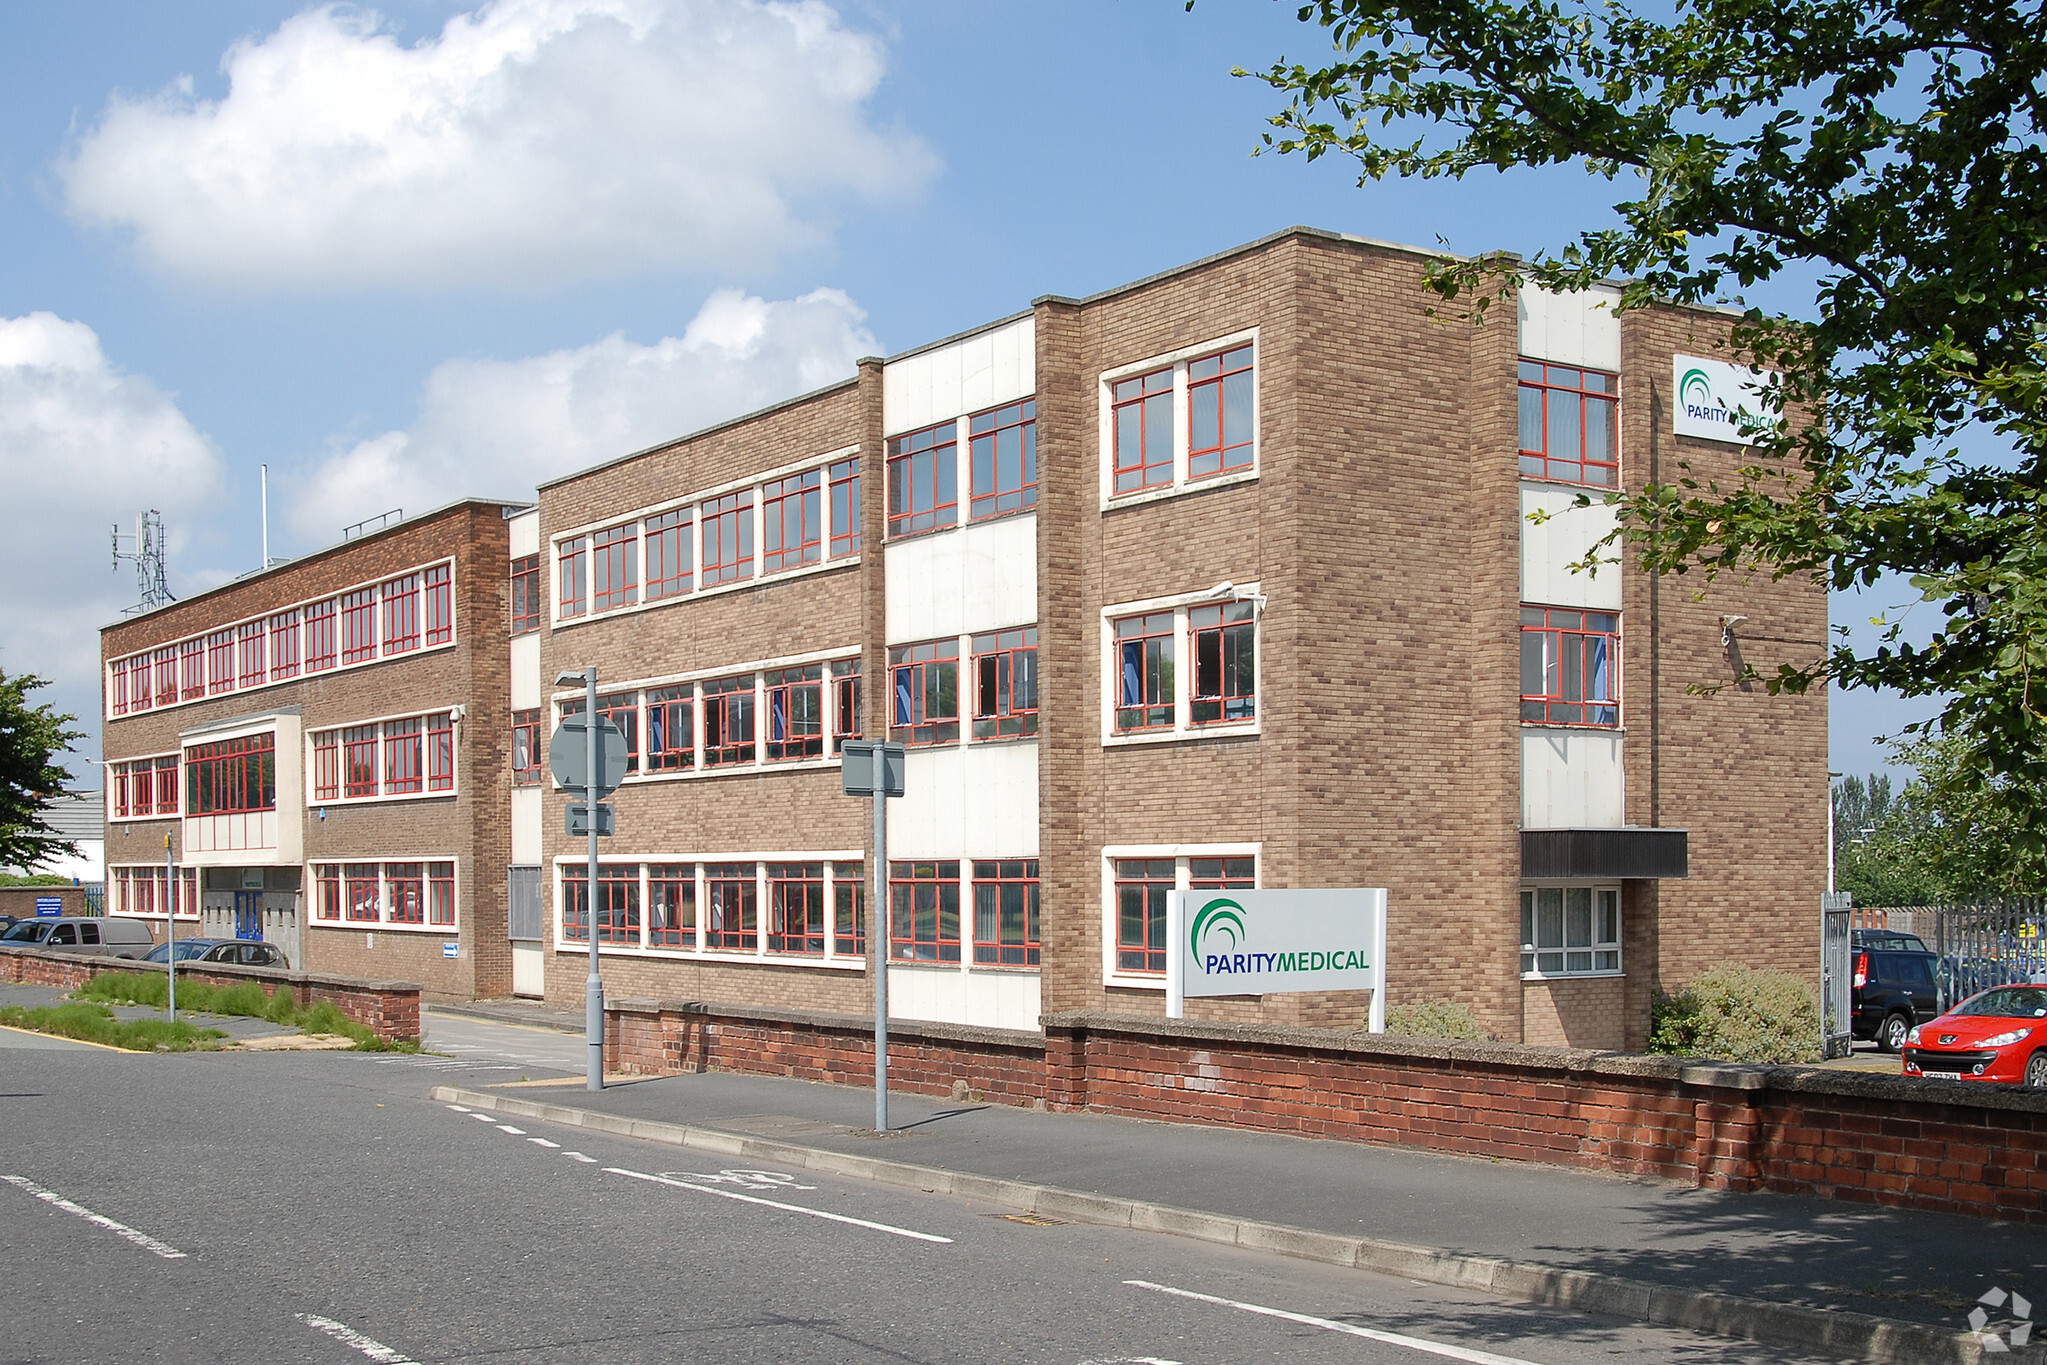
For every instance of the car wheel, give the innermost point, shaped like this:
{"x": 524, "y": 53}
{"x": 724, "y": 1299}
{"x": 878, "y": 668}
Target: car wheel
{"x": 1891, "y": 1037}
{"x": 2036, "y": 1071}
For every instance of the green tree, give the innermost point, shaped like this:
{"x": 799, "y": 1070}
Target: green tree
{"x": 1892, "y": 146}
{"x": 31, "y": 738}
{"x": 1945, "y": 838}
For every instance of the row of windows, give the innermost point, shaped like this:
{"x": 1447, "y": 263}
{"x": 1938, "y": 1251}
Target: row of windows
{"x": 1144, "y": 685}
{"x": 141, "y": 890}
{"x": 1216, "y": 392}
{"x": 1002, "y": 469}
{"x": 379, "y": 620}
{"x": 406, "y": 895}
{"x": 405, "y": 757}
{"x": 232, "y": 776}
{"x": 143, "y": 787}
{"x": 924, "y": 688}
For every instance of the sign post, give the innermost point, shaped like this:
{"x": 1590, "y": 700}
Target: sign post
{"x": 170, "y": 927}
{"x": 870, "y": 768}
{"x": 1276, "y": 942}
{"x": 588, "y": 752}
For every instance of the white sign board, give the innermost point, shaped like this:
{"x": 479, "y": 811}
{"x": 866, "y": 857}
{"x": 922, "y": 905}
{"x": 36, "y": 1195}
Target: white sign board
{"x": 1270, "y": 942}
{"x": 1714, "y": 398}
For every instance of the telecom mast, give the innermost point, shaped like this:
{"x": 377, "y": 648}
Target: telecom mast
{"x": 151, "y": 555}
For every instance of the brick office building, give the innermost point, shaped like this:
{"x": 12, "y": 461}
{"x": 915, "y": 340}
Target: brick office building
{"x": 325, "y": 743}
{"x": 1225, "y": 577}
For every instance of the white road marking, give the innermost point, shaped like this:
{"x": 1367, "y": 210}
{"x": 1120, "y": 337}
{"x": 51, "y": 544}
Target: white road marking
{"x": 1435, "y": 1348}
{"x": 508, "y": 1128}
{"x": 356, "y": 1341}
{"x": 51, "y": 1197}
{"x": 543, "y": 1142}
{"x": 458, "y": 1108}
{"x": 777, "y": 1204}
{"x": 578, "y": 1156}
{"x": 486, "y": 1117}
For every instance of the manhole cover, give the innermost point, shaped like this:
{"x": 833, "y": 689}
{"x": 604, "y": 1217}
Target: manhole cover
{"x": 778, "y": 1125}
{"x": 1031, "y": 1220}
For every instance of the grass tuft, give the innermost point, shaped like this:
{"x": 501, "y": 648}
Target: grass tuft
{"x": 95, "y": 1023}
{"x": 245, "y": 998}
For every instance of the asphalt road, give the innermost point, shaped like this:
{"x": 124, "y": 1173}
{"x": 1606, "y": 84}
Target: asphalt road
{"x": 318, "y": 1207}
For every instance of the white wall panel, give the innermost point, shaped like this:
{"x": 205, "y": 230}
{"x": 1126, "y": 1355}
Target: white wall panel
{"x": 525, "y": 533}
{"x": 1572, "y": 779}
{"x": 1548, "y": 550}
{"x": 947, "y": 995}
{"x": 526, "y": 675}
{"x": 975, "y": 578}
{"x": 976, "y": 802}
{"x": 976, "y": 372}
{"x": 527, "y": 809}
{"x": 1578, "y": 328}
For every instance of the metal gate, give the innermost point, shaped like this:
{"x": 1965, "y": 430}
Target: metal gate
{"x": 249, "y": 915}
{"x": 1837, "y": 1038}
{"x": 1990, "y": 943}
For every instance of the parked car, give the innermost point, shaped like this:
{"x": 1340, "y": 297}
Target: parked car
{"x": 188, "y": 948}
{"x": 1892, "y": 939}
{"x": 1895, "y": 988}
{"x": 87, "y": 934}
{"x": 234, "y": 950}
{"x": 1999, "y": 1035}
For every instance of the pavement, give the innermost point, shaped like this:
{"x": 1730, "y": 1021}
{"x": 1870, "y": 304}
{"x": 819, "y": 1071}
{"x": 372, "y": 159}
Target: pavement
{"x": 1904, "y": 1281}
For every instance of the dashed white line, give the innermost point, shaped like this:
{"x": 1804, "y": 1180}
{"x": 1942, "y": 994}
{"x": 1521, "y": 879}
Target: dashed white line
{"x": 578, "y": 1156}
{"x": 1436, "y": 1348}
{"x": 486, "y": 1118}
{"x": 354, "y": 1340}
{"x": 51, "y": 1197}
{"x": 543, "y": 1142}
{"x": 508, "y": 1128}
{"x": 777, "y": 1204}
{"x": 459, "y": 1109}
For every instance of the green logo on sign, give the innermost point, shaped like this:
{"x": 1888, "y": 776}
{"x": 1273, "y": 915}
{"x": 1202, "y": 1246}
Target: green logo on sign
{"x": 1222, "y": 917}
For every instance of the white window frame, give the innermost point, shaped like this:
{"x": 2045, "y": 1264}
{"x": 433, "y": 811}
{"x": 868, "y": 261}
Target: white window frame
{"x": 1181, "y": 854}
{"x": 309, "y": 896}
{"x": 1179, "y": 360}
{"x": 831, "y": 960}
{"x": 129, "y": 762}
{"x": 455, "y": 714}
{"x": 1183, "y": 728}
{"x": 1616, "y": 946}
{"x": 117, "y": 904}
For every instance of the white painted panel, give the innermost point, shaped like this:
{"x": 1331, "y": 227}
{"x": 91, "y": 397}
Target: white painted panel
{"x": 527, "y": 809}
{"x": 1550, "y": 548}
{"x": 976, "y": 372}
{"x": 975, "y": 578}
{"x": 526, "y": 672}
{"x": 525, "y": 533}
{"x": 1578, "y": 328}
{"x": 1572, "y": 779}
{"x": 948, "y": 995}
{"x": 980, "y": 801}
{"x": 529, "y": 969}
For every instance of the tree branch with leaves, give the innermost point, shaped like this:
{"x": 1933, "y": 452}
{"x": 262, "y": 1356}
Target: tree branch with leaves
{"x": 31, "y": 739}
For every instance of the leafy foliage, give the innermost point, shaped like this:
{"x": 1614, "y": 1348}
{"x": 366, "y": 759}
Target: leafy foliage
{"x": 1739, "y": 1014}
{"x": 31, "y": 737}
{"x": 1435, "y": 1019}
{"x": 1893, "y": 146}
{"x": 1944, "y": 839}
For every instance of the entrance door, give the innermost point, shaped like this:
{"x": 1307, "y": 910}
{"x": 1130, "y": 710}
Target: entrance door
{"x": 249, "y": 915}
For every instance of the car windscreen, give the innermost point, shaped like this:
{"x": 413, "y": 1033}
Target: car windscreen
{"x": 2010, "y": 1002}
{"x": 28, "y": 931}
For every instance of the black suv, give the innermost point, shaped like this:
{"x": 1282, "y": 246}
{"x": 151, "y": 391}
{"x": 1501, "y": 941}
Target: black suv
{"x": 1897, "y": 985}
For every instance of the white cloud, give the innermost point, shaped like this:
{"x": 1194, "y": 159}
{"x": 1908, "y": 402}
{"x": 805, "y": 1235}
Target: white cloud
{"x": 531, "y": 141}
{"x": 82, "y": 446}
{"x": 498, "y": 427}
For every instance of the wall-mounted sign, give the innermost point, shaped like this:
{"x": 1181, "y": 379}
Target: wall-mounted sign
{"x": 1267, "y": 942}
{"x": 1716, "y": 399}
{"x": 49, "y": 905}
{"x": 451, "y": 950}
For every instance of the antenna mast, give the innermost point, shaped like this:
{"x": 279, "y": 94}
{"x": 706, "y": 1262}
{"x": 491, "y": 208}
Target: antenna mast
{"x": 150, "y": 554}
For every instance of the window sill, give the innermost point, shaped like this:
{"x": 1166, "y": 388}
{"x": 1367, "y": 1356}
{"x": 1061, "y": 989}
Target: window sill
{"x": 396, "y": 798}
{"x": 1137, "y": 737}
{"x": 369, "y": 926}
{"x": 1115, "y": 501}
{"x": 837, "y": 964}
{"x": 698, "y": 594}
{"x": 721, "y": 770}
{"x": 1573, "y": 976}
{"x": 976, "y": 968}
{"x": 1132, "y": 981}
{"x": 1616, "y": 729}
{"x": 1526, "y": 477}
{"x": 988, "y": 517}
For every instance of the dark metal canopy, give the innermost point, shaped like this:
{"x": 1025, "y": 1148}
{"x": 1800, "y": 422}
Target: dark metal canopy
{"x": 1606, "y": 854}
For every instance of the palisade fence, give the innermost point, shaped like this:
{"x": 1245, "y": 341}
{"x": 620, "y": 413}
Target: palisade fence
{"x": 1988, "y": 943}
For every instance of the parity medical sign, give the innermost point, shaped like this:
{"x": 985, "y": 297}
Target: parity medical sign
{"x": 1719, "y": 401}
{"x": 1270, "y": 942}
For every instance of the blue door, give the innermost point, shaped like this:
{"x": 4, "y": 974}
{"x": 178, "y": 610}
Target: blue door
{"x": 249, "y": 915}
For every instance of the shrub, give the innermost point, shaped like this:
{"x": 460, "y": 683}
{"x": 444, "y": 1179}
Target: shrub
{"x": 1739, "y": 1014}
{"x": 1435, "y": 1019}
{"x": 96, "y": 1024}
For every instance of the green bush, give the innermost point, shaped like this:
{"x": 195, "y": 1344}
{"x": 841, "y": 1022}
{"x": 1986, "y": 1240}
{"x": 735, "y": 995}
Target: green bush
{"x": 1435, "y": 1019}
{"x": 1739, "y": 1014}
{"x": 246, "y": 998}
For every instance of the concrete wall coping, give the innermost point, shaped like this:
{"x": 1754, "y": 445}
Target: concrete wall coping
{"x": 213, "y": 968}
{"x": 1024, "y": 1039}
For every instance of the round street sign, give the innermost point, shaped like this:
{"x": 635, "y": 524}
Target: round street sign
{"x": 568, "y": 753}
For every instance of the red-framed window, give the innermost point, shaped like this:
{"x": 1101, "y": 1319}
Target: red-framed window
{"x": 731, "y": 908}
{"x": 572, "y": 571}
{"x": 618, "y": 903}
{"x": 327, "y": 765}
{"x": 249, "y": 654}
{"x": 362, "y": 893}
{"x": 118, "y": 797}
{"x": 527, "y": 764}
{"x": 401, "y": 614}
{"x": 615, "y": 567}
{"x": 924, "y": 686}
{"x": 439, "y": 604}
{"x": 849, "y": 909}
{"x": 285, "y": 646}
{"x": 164, "y": 668}
{"x": 1002, "y": 446}
{"x": 623, "y": 710}
{"x": 1570, "y": 666}
{"x": 403, "y": 769}
{"x": 845, "y": 702}
{"x": 923, "y": 479}
{"x": 795, "y": 713}
{"x": 1006, "y": 913}
{"x": 327, "y": 891}
{"x": 440, "y": 752}
{"x": 1141, "y": 414}
{"x": 1144, "y": 672}
{"x": 1219, "y": 416}
{"x": 1225, "y": 663}
{"x": 844, "y": 482}
{"x": 359, "y": 761}
{"x": 728, "y": 538}
{"x": 924, "y": 911}
{"x": 191, "y": 670}
{"x": 321, "y": 636}
{"x": 231, "y": 776}
{"x": 220, "y": 662}
{"x": 359, "y": 626}
{"x": 407, "y": 885}
{"x": 671, "y": 905}
{"x": 792, "y": 528}
{"x": 1006, "y": 683}
{"x": 796, "y": 908}
{"x": 525, "y": 594}
{"x": 1142, "y": 885}
{"x": 1570, "y": 424}
{"x": 671, "y": 728}
{"x": 670, "y": 555}
{"x": 140, "y": 692}
{"x": 166, "y": 786}
{"x": 440, "y": 894}
{"x": 1222, "y": 874}
{"x": 117, "y": 688}
{"x": 728, "y": 721}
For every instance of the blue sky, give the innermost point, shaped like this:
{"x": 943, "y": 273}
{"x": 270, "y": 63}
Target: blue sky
{"x": 436, "y": 248}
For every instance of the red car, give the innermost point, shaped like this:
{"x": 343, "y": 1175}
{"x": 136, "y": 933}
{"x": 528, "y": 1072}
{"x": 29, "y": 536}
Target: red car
{"x": 1996, "y": 1035}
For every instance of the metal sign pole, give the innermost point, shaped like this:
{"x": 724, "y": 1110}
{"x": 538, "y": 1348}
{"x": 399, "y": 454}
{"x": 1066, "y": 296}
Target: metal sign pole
{"x": 879, "y": 920}
{"x": 593, "y": 986}
{"x": 170, "y": 926}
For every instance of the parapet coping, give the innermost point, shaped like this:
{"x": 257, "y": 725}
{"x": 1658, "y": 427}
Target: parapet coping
{"x": 1027, "y": 1039}
{"x": 296, "y": 978}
